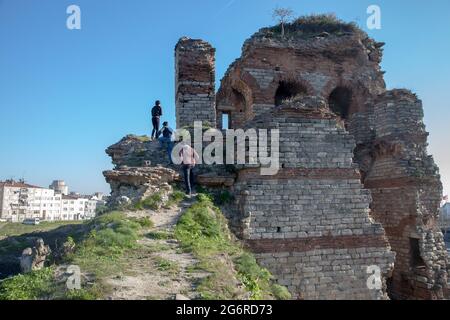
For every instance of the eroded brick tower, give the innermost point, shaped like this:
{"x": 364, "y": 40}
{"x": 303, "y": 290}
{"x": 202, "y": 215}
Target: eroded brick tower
{"x": 195, "y": 83}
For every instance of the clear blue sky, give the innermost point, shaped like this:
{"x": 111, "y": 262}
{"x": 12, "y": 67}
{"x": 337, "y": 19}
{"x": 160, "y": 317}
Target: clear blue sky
{"x": 65, "y": 95}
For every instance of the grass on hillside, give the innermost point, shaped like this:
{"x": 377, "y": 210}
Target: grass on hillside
{"x": 109, "y": 237}
{"x": 106, "y": 241}
{"x": 8, "y": 229}
{"x": 166, "y": 265}
{"x": 152, "y": 202}
{"x": 155, "y": 201}
{"x": 175, "y": 198}
{"x": 98, "y": 253}
{"x": 203, "y": 231}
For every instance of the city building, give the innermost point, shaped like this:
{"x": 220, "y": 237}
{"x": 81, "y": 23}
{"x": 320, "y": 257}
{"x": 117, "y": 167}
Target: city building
{"x": 445, "y": 215}
{"x": 60, "y": 187}
{"x": 20, "y": 201}
{"x": 79, "y": 207}
{"x": 446, "y": 210}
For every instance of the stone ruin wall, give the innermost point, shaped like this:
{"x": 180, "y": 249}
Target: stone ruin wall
{"x": 356, "y": 187}
{"x": 310, "y": 223}
{"x": 390, "y": 149}
{"x": 406, "y": 187}
{"x": 311, "y": 67}
{"x": 195, "y": 83}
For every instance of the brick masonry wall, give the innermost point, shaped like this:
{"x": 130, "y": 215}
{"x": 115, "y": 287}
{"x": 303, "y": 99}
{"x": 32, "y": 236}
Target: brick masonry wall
{"x": 310, "y": 224}
{"x": 406, "y": 191}
{"x": 328, "y": 274}
{"x": 194, "y": 83}
{"x": 319, "y": 65}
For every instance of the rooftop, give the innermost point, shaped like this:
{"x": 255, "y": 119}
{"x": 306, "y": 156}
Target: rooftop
{"x": 17, "y": 184}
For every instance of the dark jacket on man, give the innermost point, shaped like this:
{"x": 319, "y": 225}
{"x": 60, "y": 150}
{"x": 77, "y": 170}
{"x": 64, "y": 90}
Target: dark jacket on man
{"x": 166, "y": 132}
{"x": 156, "y": 114}
{"x": 156, "y": 111}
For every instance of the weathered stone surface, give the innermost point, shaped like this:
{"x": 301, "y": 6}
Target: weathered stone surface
{"x": 132, "y": 184}
{"x": 34, "y": 258}
{"x": 214, "y": 180}
{"x": 135, "y": 151}
{"x": 310, "y": 224}
{"x": 195, "y": 82}
{"x": 406, "y": 189}
{"x": 315, "y": 66}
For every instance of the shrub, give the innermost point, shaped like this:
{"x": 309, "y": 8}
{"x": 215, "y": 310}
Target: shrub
{"x": 316, "y": 24}
{"x": 82, "y": 294}
{"x": 255, "y": 278}
{"x": 175, "y": 198}
{"x": 199, "y": 228}
{"x": 203, "y": 230}
{"x": 152, "y": 202}
{"x": 144, "y": 222}
{"x": 280, "y": 292}
{"x": 29, "y": 286}
{"x": 159, "y": 235}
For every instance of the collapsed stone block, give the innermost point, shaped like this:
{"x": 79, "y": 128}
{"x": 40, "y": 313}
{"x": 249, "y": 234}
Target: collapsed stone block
{"x": 34, "y": 258}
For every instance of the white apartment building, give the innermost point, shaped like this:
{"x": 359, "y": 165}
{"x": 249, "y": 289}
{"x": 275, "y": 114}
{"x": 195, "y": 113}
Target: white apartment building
{"x": 78, "y": 208}
{"x": 445, "y": 211}
{"x": 19, "y": 201}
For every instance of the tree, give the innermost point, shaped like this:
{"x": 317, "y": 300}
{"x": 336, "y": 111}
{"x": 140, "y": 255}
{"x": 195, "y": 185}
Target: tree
{"x": 283, "y": 16}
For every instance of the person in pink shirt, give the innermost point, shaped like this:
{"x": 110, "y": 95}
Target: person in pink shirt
{"x": 189, "y": 158}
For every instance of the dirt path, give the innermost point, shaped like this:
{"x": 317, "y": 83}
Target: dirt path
{"x": 159, "y": 269}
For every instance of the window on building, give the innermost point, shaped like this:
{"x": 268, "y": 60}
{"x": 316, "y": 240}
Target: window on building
{"x": 226, "y": 121}
{"x": 416, "y": 258}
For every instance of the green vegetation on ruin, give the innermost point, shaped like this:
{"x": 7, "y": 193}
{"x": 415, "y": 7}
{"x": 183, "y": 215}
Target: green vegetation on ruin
{"x": 155, "y": 201}
{"x": 152, "y": 202}
{"x": 175, "y": 198}
{"x": 315, "y": 24}
{"x": 203, "y": 230}
{"x": 142, "y": 138}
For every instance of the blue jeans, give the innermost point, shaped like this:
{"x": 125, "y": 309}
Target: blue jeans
{"x": 169, "y": 144}
{"x": 189, "y": 178}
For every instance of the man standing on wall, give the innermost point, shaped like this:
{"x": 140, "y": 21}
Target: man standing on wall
{"x": 189, "y": 158}
{"x": 156, "y": 115}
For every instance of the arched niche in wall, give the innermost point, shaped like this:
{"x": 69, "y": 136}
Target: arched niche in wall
{"x": 238, "y": 101}
{"x": 236, "y": 116}
{"x": 340, "y": 101}
{"x": 288, "y": 89}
